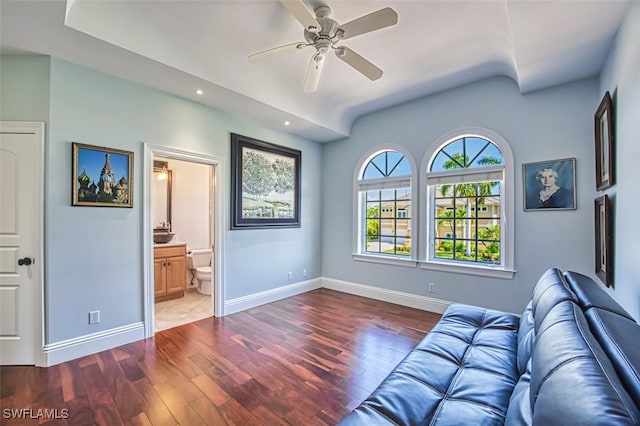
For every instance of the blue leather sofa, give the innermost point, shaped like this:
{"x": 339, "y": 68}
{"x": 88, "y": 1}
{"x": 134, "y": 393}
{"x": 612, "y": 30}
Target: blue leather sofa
{"x": 571, "y": 358}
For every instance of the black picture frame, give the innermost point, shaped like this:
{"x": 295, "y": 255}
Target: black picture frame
{"x": 603, "y": 240}
{"x": 265, "y": 184}
{"x": 564, "y": 173}
{"x": 604, "y": 120}
{"x": 101, "y": 177}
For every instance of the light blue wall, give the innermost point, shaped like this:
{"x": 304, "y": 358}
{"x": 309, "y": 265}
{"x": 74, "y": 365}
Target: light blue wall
{"x": 94, "y": 255}
{"x": 621, "y": 77}
{"x": 88, "y": 268}
{"x": 24, "y": 88}
{"x": 545, "y": 125}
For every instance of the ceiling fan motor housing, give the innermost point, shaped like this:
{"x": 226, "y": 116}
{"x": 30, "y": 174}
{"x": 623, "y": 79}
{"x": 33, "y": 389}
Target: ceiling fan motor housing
{"x": 326, "y": 36}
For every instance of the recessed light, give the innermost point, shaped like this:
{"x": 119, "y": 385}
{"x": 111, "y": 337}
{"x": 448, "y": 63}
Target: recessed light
{"x": 286, "y": 123}
{"x": 199, "y": 92}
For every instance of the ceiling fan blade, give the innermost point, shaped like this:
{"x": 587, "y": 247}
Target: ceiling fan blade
{"x": 266, "y": 54}
{"x": 371, "y": 22}
{"x": 359, "y": 63}
{"x": 313, "y": 73}
{"x": 302, "y": 14}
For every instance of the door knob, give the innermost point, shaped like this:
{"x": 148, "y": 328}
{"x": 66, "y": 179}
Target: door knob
{"x": 26, "y": 261}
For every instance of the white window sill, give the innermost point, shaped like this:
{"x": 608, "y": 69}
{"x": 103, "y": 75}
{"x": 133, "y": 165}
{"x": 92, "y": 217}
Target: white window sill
{"x": 478, "y": 270}
{"x": 386, "y": 260}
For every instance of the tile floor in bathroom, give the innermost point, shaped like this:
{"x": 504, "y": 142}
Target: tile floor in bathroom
{"x": 192, "y": 307}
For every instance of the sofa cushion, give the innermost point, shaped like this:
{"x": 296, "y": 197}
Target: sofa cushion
{"x": 519, "y": 411}
{"x": 548, "y": 292}
{"x": 465, "y": 368}
{"x": 572, "y": 380}
{"x": 590, "y": 294}
{"x": 526, "y": 338}
{"x": 619, "y": 337}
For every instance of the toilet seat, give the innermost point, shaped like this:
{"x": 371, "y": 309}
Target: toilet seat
{"x": 204, "y": 269}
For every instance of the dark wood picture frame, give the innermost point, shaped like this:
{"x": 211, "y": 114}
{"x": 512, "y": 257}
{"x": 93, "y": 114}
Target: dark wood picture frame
{"x": 101, "y": 177}
{"x": 265, "y": 184}
{"x": 603, "y": 240}
{"x": 604, "y": 121}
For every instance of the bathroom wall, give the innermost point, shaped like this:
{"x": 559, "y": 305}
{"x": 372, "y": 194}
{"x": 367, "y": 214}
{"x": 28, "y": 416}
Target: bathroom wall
{"x": 190, "y": 202}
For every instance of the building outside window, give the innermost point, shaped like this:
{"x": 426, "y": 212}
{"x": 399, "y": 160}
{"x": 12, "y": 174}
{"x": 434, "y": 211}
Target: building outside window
{"x": 385, "y": 205}
{"x": 467, "y": 200}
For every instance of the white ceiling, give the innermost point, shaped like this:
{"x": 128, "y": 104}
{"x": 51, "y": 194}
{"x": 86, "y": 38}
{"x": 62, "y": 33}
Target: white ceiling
{"x": 180, "y": 45}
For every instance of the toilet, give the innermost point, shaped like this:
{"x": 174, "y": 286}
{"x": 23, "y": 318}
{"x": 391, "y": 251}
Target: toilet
{"x": 199, "y": 264}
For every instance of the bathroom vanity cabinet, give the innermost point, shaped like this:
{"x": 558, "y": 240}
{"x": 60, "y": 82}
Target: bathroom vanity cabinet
{"x": 169, "y": 271}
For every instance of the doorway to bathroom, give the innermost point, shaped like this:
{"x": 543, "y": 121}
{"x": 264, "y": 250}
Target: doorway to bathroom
{"x": 183, "y": 245}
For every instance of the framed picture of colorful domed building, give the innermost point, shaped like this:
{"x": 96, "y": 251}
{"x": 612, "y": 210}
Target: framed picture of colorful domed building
{"x": 101, "y": 177}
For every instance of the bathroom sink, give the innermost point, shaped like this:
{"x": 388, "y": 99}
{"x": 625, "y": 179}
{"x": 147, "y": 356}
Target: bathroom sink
{"x": 162, "y": 237}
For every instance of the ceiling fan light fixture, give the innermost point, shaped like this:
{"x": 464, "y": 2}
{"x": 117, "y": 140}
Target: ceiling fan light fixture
{"x": 312, "y": 79}
{"x": 318, "y": 57}
{"x": 323, "y": 33}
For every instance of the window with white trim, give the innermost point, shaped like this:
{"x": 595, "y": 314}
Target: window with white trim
{"x": 469, "y": 200}
{"x": 385, "y": 206}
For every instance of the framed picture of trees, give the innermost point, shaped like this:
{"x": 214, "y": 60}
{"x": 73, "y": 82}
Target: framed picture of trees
{"x": 265, "y": 184}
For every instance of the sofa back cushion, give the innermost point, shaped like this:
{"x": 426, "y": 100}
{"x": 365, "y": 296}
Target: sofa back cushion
{"x": 620, "y": 339}
{"x": 550, "y": 290}
{"x": 519, "y": 410}
{"x": 572, "y": 379}
{"x": 526, "y": 338}
{"x": 591, "y": 294}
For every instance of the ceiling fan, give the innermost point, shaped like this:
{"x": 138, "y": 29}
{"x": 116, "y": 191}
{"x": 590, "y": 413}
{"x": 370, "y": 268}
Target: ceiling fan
{"x": 324, "y": 33}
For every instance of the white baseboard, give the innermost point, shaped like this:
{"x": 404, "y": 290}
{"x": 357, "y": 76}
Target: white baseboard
{"x": 251, "y": 301}
{"x": 66, "y": 350}
{"x": 400, "y": 298}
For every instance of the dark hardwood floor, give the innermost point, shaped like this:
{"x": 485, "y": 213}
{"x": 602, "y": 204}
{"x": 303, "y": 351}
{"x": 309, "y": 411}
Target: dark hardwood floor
{"x": 305, "y": 360}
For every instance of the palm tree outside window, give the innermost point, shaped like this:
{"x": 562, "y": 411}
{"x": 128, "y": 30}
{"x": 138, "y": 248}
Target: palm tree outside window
{"x": 465, "y": 182}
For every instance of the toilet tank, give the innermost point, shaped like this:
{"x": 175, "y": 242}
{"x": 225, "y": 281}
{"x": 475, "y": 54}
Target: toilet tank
{"x": 198, "y": 257}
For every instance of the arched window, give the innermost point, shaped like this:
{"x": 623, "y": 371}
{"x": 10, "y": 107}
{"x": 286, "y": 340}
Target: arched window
{"x": 384, "y": 202}
{"x": 469, "y": 204}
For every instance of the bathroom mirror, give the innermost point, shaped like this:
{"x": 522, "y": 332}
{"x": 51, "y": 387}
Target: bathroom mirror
{"x": 161, "y": 196}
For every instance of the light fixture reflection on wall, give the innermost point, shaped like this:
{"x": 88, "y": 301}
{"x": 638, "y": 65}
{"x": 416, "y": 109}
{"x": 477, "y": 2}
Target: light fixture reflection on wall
{"x": 161, "y": 168}
{"x": 163, "y": 174}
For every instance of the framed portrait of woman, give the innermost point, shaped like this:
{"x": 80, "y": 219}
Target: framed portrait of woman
{"x": 549, "y": 185}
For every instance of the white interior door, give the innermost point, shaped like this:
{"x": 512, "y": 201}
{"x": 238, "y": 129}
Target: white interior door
{"x": 21, "y": 171}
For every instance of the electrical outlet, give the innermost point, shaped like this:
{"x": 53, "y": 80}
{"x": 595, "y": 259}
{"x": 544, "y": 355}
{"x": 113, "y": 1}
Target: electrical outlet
{"x": 304, "y": 273}
{"x": 94, "y": 317}
{"x": 290, "y": 276}
{"x": 432, "y": 288}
